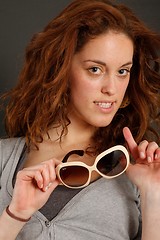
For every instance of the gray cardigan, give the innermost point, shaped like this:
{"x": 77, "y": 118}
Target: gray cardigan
{"x": 106, "y": 209}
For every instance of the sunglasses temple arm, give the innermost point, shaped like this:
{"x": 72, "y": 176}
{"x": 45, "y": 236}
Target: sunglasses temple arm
{"x": 78, "y": 152}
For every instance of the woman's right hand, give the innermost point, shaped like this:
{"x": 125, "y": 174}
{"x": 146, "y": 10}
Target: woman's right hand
{"x": 33, "y": 187}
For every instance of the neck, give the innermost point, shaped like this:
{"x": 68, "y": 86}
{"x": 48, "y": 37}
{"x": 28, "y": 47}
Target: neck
{"x": 79, "y": 135}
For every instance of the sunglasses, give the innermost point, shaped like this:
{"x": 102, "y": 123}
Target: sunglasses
{"x": 109, "y": 164}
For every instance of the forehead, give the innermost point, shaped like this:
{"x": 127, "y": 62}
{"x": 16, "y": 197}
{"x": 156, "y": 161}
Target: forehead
{"x": 112, "y": 45}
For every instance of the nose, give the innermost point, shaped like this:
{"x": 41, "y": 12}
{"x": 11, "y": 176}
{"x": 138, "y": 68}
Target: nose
{"x": 108, "y": 85}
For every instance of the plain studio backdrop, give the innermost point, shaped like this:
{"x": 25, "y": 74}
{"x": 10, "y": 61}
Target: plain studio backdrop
{"x": 19, "y": 20}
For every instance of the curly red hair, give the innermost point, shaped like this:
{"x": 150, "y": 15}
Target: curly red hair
{"x": 41, "y": 96}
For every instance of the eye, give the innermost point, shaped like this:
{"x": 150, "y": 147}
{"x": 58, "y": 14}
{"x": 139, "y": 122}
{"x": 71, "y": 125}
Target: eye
{"x": 95, "y": 70}
{"x": 124, "y": 72}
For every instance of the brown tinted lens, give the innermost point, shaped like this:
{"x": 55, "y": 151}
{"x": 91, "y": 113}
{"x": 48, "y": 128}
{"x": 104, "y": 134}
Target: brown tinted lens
{"x": 74, "y": 176}
{"x": 113, "y": 163}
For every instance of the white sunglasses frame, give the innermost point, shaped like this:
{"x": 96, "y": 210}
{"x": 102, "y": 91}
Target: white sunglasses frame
{"x": 93, "y": 167}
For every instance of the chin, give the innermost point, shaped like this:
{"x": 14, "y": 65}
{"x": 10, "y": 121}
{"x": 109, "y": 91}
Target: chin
{"x": 101, "y": 124}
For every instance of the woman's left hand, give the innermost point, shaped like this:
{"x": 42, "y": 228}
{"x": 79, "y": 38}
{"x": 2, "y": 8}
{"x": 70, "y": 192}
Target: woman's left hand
{"x": 145, "y": 173}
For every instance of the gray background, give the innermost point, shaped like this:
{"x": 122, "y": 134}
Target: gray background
{"x": 19, "y": 20}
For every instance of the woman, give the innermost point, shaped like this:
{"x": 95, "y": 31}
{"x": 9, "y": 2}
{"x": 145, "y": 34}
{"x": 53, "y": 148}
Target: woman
{"x": 90, "y": 82}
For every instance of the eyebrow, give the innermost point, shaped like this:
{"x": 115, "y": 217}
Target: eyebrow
{"x": 104, "y": 64}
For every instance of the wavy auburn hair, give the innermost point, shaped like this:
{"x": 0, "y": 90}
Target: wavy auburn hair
{"x": 41, "y": 96}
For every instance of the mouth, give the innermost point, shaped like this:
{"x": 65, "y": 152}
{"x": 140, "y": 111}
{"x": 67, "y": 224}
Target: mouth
{"x": 104, "y": 105}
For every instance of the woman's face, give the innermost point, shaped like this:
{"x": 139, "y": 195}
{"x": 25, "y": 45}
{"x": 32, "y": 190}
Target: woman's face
{"x": 99, "y": 77}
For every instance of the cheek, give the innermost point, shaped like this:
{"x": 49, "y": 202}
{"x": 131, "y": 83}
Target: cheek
{"x": 123, "y": 87}
{"x": 80, "y": 86}
{"x": 79, "y": 92}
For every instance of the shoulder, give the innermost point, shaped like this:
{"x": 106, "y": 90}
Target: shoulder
{"x": 12, "y": 141}
{"x": 10, "y": 147}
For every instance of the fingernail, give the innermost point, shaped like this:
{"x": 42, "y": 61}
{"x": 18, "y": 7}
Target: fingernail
{"x": 142, "y": 155}
{"x": 46, "y": 188}
{"x": 149, "y": 159}
{"x": 49, "y": 184}
{"x": 157, "y": 156}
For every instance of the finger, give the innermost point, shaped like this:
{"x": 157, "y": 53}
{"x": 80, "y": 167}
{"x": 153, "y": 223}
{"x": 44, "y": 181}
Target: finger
{"x": 53, "y": 163}
{"x": 45, "y": 175}
{"x": 32, "y": 176}
{"x": 151, "y": 151}
{"x": 157, "y": 154}
{"x": 48, "y": 172}
{"x": 142, "y": 149}
{"x": 38, "y": 175}
{"x": 131, "y": 142}
{"x": 52, "y": 173}
{"x": 52, "y": 186}
{"x": 39, "y": 179}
